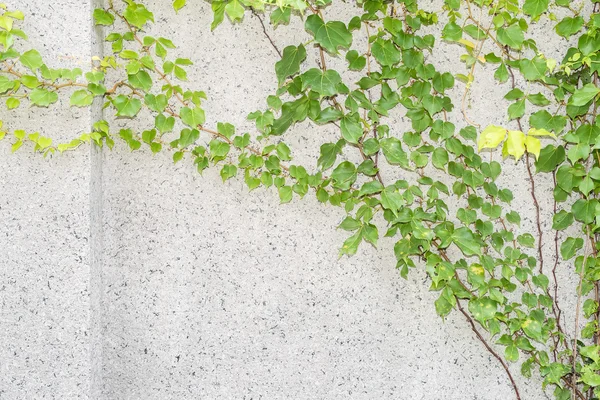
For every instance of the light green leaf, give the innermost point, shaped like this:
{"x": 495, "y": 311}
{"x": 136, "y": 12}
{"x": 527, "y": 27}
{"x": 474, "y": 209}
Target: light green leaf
{"x": 235, "y": 10}
{"x": 514, "y": 145}
{"x": 584, "y": 95}
{"x": 178, "y": 4}
{"x": 81, "y": 98}
{"x": 192, "y": 117}
{"x": 512, "y": 36}
{"x": 42, "y": 97}
{"x": 32, "y": 60}
{"x": 102, "y": 17}
{"x": 127, "y": 106}
{"x": 535, "y": 7}
{"x": 569, "y": 26}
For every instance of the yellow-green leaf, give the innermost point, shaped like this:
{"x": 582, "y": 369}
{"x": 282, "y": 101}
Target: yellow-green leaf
{"x": 533, "y": 146}
{"x": 514, "y": 145}
{"x": 540, "y": 132}
{"x": 491, "y": 137}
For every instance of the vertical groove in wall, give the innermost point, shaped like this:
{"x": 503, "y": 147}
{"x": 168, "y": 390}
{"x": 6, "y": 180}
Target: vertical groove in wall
{"x": 96, "y": 230}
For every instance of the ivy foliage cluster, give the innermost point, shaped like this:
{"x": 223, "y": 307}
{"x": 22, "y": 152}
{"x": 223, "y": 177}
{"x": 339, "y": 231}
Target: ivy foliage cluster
{"x": 477, "y": 257}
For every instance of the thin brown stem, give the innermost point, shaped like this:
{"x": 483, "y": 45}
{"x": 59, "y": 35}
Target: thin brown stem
{"x": 490, "y": 349}
{"x": 264, "y": 28}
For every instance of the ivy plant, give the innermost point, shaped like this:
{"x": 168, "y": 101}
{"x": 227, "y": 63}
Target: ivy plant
{"x": 447, "y": 213}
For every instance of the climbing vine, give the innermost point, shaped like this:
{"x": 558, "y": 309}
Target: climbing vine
{"x": 430, "y": 185}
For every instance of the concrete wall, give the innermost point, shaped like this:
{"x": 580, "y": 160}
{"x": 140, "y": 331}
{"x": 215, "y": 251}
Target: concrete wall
{"x": 123, "y": 276}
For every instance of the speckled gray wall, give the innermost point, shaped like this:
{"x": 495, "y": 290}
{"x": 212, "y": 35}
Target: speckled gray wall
{"x": 45, "y": 234}
{"x": 123, "y": 276}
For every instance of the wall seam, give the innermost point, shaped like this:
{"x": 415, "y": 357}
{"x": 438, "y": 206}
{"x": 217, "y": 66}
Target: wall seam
{"x": 96, "y": 229}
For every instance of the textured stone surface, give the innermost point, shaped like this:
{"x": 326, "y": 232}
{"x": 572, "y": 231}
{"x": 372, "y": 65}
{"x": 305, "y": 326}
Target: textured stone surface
{"x": 45, "y": 229}
{"x": 126, "y": 277}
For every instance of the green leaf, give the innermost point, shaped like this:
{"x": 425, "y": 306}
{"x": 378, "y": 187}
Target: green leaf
{"x": 516, "y": 109}
{"x": 164, "y": 124}
{"x": 102, "y": 17}
{"x": 329, "y": 153}
{"x": 569, "y": 26}
{"x": 192, "y": 117}
{"x": 584, "y": 95}
{"x": 544, "y": 120}
{"x": 235, "y": 10}
{"x": 391, "y": 199}
{"x": 501, "y": 73}
{"x": 385, "y": 52}
{"x": 511, "y": 353}
{"x": 440, "y": 158}
{"x": 526, "y": 240}
{"x": 6, "y": 84}
{"x": 344, "y": 175}
{"x": 178, "y": 4}
{"x": 562, "y": 220}
{"x": 32, "y": 60}
{"x": 356, "y": 62}
{"x": 137, "y": 15}
{"x": 351, "y": 244}
{"x": 550, "y": 158}
{"x": 513, "y": 217}
{"x": 127, "y": 106}
{"x": 218, "y": 148}
{"x": 585, "y": 210}
{"x": 156, "y": 103}
{"x": 285, "y": 194}
{"x": 444, "y": 81}
{"x": 512, "y": 36}
{"x": 42, "y": 97}
{"x": 81, "y": 98}
{"x": 321, "y": 82}
{"x": 12, "y": 103}
{"x": 331, "y": 35}
{"x": 466, "y": 242}
{"x": 535, "y": 7}
{"x": 590, "y": 378}
{"x": 289, "y": 64}
{"x": 350, "y": 224}
{"x": 351, "y": 128}
{"x": 570, "y": 246}
{"x": 280, "y": 16}
{"x": 483, "y": 309}
{"x": 452, "y": 32}
{"x": 177, "y": 156}
{"x": 393, "y": 152}
{"x": 149, "y": 136}
{"x": 538, "y": 99}
{"x": 580, "y": 151}
{"x": 370, "y": 188}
